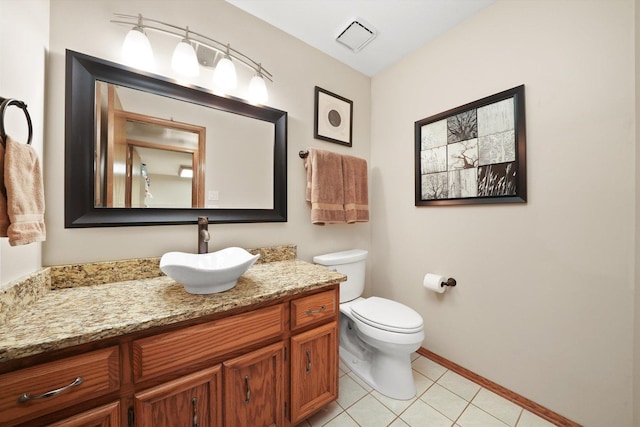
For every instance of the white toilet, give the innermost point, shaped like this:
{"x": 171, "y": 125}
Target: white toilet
{"x": 377, "y": 335}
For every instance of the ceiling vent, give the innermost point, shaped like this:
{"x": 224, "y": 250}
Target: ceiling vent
{"x": 356, "y": 36}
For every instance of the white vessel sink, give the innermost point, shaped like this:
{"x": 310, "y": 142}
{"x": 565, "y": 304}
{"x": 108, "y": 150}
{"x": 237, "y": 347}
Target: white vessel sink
{"x": 207, "y": 273}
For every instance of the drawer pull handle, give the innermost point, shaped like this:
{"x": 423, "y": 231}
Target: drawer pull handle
{"x": 246, "y": 383}
{"x": 25, "y": 397}
{"x": 308, "y": 361}
{"x": 316, "y": 310}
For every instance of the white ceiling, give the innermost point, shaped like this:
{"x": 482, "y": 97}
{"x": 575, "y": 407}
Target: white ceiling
{"x": 402, "y": 26}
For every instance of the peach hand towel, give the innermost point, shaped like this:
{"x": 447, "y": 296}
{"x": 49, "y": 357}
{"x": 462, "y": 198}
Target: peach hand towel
{"x": 356, "y": 189}
{"x": 325, "y": 187}
{"x": 25, "y": 194}
{"x": 4, "y": 215}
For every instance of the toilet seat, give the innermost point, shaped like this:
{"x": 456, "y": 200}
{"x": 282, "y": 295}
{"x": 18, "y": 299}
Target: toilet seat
{"x": 387, "y": 315}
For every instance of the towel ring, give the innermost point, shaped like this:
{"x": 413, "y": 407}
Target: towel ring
{"x": 4, "y": 103}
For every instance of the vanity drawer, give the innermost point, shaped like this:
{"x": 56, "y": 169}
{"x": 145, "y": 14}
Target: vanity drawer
{"x": 99, "y": 372}
{"x": 172, "y": 351}
{"x": 314, "y": 308}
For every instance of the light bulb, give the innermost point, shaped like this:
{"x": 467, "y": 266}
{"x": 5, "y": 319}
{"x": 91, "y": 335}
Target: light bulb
{"x": 258, "y": 90}
{"x": 136, "y": 50}
{"x": 185, "y": 60}
{"x": 224, "y": 76}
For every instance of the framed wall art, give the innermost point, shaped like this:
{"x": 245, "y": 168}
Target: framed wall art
{"x": 333, "y": 120}
{"x": 474, "y": 153}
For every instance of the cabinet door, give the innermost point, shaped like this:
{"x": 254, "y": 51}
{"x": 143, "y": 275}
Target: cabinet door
{"x": 314, "y": 370}
{"x": 254, "y": 388}
{"x": 102, "y": 416}
{"x": 193, "y": 400}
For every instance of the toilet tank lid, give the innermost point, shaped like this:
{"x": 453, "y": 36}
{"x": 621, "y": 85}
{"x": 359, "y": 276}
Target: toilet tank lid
{"x": 343, "y": 257}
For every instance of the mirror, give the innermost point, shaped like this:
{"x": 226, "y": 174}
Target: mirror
{"x": 129, "y": 134}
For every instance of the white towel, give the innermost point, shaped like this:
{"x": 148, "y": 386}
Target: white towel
{"x": 24, "y": 194}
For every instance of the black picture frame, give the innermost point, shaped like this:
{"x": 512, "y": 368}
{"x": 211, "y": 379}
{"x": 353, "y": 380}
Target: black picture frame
{"x": 333, "y": 118}
{"x": 475, "y": 153}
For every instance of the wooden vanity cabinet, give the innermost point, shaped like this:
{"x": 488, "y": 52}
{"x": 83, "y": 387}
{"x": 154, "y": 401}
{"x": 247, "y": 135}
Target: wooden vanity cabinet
{"x": 314, "y": 370}
{"x": 254, "y": 388}
{"x": 198, "y": 399}
{"x": 254, "y": 384}
{"x": 268, "y": 366}
{"x": 192, "y": 400}
{"x": 314, "y": 354}
{"x": 253, "y": 394}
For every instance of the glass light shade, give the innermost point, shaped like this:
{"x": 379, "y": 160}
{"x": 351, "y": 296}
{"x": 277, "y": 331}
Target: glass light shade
{"x": 136, "y": 50}
{"x": 184, "y": 60}
{"x": 224, "y": 76}
{"x": 258, "y": 90}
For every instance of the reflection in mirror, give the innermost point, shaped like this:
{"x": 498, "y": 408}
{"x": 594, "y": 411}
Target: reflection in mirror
{"x": 239, "y": 164}
{"x": 169, "y": 174}
{"x": 131, "y": 137}
{"x": 132, "y": 149}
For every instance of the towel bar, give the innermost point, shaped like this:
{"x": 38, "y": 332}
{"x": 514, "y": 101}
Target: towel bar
{"x": 6, "y": 102}
{"x": 303, "y": 154}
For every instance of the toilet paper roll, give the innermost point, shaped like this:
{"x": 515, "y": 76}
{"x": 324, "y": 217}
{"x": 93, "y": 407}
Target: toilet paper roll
{"x": 433, "y": 282}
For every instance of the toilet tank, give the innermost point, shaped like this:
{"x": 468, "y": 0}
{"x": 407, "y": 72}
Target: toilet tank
{"x": 350, "y": 263}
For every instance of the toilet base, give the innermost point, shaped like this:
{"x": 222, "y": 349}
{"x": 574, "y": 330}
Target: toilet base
{"x": 391, "y": 376}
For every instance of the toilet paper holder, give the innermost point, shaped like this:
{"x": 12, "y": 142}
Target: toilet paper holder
{"x": 450, "y": 282}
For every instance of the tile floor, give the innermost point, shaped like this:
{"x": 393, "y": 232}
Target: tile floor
{"x": 444, "y": 398}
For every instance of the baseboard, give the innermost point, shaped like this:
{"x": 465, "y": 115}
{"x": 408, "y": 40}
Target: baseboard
{"x": 527, "y": 404}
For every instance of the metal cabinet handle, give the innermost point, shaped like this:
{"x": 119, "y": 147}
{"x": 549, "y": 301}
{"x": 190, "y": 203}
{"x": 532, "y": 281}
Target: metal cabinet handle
{"x": 308, "y": 361}
{"x": 246, "y": 383}
{"x": 316, "y": 310}
{"x": 25, "y": 397}
{"x": 194, "y": 402}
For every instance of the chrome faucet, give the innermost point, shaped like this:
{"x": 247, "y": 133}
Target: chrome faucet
{"x": 203, "y": 235}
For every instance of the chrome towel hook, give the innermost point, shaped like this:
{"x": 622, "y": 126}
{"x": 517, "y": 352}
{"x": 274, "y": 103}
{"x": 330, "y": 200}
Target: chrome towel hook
{"x": 6, "y": 102}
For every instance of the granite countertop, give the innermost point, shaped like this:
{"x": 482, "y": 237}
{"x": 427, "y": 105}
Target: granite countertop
{"x": 65, "y": 317}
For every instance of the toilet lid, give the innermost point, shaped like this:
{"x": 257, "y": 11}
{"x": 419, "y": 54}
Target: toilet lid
{"x": 387, "y": 315}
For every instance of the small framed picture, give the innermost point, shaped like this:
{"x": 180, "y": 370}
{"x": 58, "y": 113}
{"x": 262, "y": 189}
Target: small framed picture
{"x": 333, "y": 117}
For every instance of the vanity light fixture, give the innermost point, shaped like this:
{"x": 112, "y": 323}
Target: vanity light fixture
{"x": 257, "y": 88}
{"x": 224, "y": 79}
{"x": 224, "y": 75}
{"x": 185, "y": 172}
{"x": 136, "y": 49}
{"x": 184, "y": 59}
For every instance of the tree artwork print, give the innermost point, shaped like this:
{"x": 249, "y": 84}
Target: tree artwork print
{"x": 474, "y": 153}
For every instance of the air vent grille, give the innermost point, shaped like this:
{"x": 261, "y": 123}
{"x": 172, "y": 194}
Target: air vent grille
{"x": 356, "y": 36}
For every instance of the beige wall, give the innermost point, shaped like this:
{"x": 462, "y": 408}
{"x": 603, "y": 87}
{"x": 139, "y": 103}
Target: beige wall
{"x": 84, "y": 26}
{"x": 544, "y": 303}
{"x": 24, "y": 39}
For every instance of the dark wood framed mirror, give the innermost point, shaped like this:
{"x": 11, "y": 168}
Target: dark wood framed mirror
{"x": 84, "y": 163}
